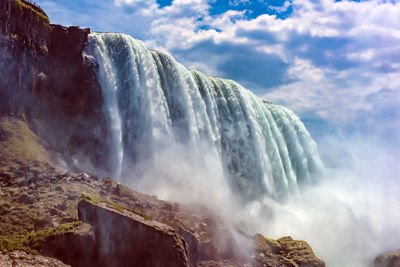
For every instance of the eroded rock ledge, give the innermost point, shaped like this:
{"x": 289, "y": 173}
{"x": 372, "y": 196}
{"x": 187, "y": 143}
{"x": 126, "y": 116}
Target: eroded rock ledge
{"x": 49, "y": 89}
{"x": 38, "y": 208}
{"x": 129, "y": 238}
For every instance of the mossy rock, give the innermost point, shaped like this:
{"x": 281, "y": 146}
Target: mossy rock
{"x": 262, "y": 243}
{"x": 31, "y": 242}
{"x": 37, "y": 10}
{"x": 96, "y": 200}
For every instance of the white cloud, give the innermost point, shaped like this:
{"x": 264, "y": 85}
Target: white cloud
{"x": 334, "y": 79}
{"x": 283, "y": 8}
{"x": 332, "y": 60}
{"x": 304, "y": 70}
{"x": 237, "y": 2}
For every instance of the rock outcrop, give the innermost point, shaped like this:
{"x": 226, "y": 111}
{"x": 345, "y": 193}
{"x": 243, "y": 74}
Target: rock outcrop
{"x": 37, "y": 196}
{"x": 388, "y": 259}
{"x": 76, "y": 246}
{"x": 284, "y": 252}
{"x": 23, "y": 259}
{"x": 49, "y": 89}
{"x": 26, "y": 25}
{"x": 129, "y": 238}
{"x": 47, "y": 80}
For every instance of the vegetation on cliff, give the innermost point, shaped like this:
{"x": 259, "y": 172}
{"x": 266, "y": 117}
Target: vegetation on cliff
{"x": 39, "y": 199}
{"x": 96, "y": 200}
{"x": 32, "y": 242}
{"x": 34, "y": 8}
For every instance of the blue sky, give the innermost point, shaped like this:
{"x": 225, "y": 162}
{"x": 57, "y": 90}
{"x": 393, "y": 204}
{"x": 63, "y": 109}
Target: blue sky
{"x": 335, "y": 63}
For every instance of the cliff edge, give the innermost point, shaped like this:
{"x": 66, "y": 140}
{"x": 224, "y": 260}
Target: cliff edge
{"x": 48, "y": 81}
{"x": 51, "y": 117}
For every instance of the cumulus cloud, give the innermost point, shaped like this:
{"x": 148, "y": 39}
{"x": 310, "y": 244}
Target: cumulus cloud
{"x": 335, "y": 63}
{"x": 330, "y": 60}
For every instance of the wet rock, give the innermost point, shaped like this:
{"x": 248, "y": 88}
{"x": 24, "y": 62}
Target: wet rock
{"x": 108, "y": 241}
{"x": 76, "y": 247}
{"x": 284, "y": 252}
{"x": 300, "y": 252}
{"x": 388, "y": 259}
{"x": 119, "y": 231}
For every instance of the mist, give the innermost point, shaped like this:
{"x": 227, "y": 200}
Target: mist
{"x": 200, "y": 140}
{"x": 185, "y": 174}
{"x": 349, "y": 217}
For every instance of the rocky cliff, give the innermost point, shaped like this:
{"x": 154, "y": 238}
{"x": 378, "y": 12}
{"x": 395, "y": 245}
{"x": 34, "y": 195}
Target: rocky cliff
{"x": 47, "y": 80}
{"x": 130, "y": 238}
{"x": 40, "y": 208}
{"x": 50, "y": 113}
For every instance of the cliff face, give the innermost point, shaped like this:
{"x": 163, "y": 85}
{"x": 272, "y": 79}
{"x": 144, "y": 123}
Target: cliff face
{"x": 26, "y": 26}
{"x": 47, "y": 80}
{"x": 51, "y": 88}
{"x": 120, "y": 232}
{"x": 40, "y": 205}
{"x": 24, "y": 38}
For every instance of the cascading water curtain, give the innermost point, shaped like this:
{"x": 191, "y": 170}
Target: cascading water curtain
{"x": 152, "y": 102}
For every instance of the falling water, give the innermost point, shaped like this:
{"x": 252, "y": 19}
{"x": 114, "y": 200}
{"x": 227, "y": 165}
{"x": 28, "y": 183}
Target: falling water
{"x": 153, "y": 103}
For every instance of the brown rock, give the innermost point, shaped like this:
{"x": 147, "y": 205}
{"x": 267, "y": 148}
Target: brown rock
{"x": 25, "y": 198}
{"x": 23, "y": 259}
{"x": 284, "y": 252}
{"x": 55, "y": 191}
{"x": 130, "y": 239}
{"x": 48, "y": 81}
{"x": 67, "y": 42}
{"x": 300, "y": 252}
{"x": 76, "y": 247}
{"x": 388, "y": 259}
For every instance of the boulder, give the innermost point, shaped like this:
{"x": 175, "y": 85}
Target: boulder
{"x": 112, "y": 235}
{"x": 388, "y": 259}
{"x": 284, "y": 252}
{"x": 129, "y": 238}
{"x": 76, "y": 247}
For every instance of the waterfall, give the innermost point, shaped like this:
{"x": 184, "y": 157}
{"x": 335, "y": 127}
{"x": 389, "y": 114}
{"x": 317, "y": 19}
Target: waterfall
{"x": 154, "y": 103}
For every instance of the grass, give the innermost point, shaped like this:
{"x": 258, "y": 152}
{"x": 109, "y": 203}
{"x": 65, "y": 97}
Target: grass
{"x": 95, "y": 200}
{"x": 32, "y": 241}
{"x": 21, "y": 141}
{"x": 38, "y": 11}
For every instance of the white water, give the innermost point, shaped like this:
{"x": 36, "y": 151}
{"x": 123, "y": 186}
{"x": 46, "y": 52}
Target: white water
{"x": 155, "y": 105}
{"x": 185, "y": 136}
{"x": 351, "y": 216}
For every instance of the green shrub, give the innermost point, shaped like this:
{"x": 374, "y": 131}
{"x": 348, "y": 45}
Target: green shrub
{"x": 32, "y": 241}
